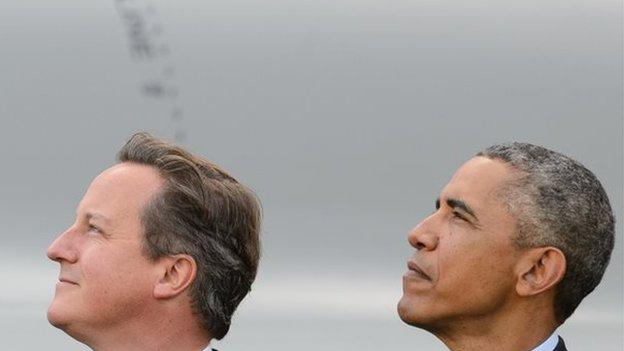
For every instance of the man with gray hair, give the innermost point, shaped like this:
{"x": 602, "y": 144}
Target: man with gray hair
{"x": 520, "y": 235}
{"x": 164, "y": 247}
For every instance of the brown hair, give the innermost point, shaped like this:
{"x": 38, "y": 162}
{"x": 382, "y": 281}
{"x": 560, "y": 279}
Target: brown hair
{"x": 204, "y": 212}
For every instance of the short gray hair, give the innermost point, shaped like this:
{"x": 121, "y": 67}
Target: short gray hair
{"x": 558, "y": 202}
{"x": 204, "y": 212}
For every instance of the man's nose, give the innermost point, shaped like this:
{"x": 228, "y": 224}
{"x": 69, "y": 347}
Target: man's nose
{"x": 424, "y": 236}
{"x": 63, "y": 248}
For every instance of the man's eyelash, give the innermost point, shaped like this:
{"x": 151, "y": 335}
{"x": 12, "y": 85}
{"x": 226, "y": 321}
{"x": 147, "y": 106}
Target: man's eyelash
{"x": 458, "y": 215}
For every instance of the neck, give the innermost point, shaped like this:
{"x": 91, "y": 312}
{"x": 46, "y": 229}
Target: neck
{"x": 520, "y": 329}
{"x": 164, "y": 330}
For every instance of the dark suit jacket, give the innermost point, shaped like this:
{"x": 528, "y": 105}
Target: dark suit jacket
{"x": 560, "y": 346}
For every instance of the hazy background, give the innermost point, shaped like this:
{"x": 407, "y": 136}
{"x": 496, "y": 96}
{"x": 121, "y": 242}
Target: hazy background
{"x": 346, "y": 117}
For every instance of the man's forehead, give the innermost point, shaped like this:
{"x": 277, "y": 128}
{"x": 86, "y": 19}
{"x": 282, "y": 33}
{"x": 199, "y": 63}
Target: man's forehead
{"x": 127, "y": 176}
{"x": 476, "y": 179}
{"x": 120, "y": 188}
{"x": 129, "y": 171}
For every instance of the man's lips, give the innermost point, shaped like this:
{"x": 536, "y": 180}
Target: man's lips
{"x": 65, "y": 280}
{"x": 413, "y": 267}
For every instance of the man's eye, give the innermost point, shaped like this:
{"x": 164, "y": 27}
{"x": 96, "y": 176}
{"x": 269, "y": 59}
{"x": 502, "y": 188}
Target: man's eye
{"x": 458, "y": 215}
{"x": 94, "y": 229}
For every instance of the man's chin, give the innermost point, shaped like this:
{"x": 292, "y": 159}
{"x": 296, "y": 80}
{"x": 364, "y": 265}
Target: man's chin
{"x": 410, "y": 314}
{"x": 57, "y": 316}
{"x": 62, "y": 320}
{"x": 405, "y": 310}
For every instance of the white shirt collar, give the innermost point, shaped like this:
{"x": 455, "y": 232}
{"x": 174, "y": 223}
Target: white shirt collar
{"x": 549, "y": 344}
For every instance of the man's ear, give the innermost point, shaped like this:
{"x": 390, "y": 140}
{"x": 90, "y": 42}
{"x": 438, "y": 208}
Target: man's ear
{"x": 539, "y": 269}
{"x": 177, "y": 274}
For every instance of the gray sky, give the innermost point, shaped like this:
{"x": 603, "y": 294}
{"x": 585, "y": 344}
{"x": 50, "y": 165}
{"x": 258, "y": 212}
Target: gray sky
{"x": 346, "y": 117}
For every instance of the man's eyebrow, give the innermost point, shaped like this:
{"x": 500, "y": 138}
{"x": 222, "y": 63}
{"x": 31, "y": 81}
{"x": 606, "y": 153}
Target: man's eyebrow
{"x": 97, "y": 216}
{"x": 455, "y": 203}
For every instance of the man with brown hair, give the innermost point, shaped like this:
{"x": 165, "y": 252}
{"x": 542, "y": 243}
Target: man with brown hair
{"x": 520, "y": 235}
{"x": 164, "y": 247}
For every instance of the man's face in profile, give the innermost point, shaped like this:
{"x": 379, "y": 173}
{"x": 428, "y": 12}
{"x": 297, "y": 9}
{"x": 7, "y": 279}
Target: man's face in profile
{"x": 104, "y": 274}
{"x": 462, "y": 268}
